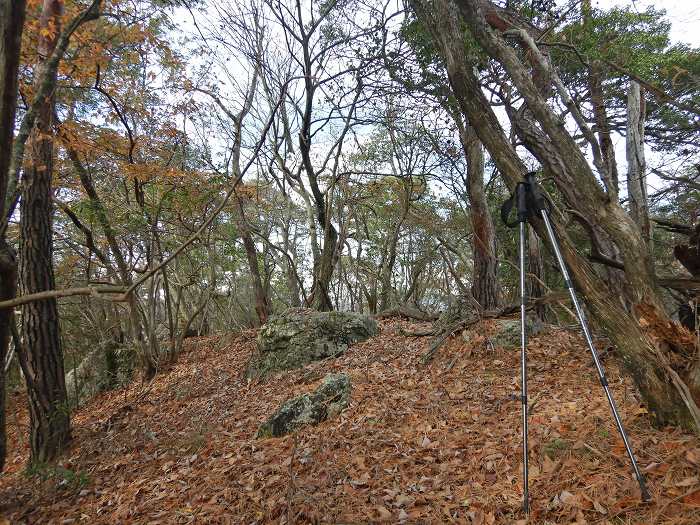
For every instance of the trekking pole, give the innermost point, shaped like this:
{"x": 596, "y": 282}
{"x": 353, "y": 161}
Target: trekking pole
{"x": 523, "y": 364}
{"x": 520, "y": 199}
{"x": 538, "y": 201}
{"x": 530, "y": 200}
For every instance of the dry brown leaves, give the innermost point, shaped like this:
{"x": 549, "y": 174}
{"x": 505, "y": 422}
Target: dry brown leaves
{"x": 418, "y": 444}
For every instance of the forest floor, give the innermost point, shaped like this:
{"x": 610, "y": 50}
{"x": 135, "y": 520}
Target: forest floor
{"x": 436, "y": 443}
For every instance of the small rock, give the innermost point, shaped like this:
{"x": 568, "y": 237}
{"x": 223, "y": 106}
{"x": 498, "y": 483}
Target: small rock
{"x": 328, "y": 400}
{"x": 508, "y": 331}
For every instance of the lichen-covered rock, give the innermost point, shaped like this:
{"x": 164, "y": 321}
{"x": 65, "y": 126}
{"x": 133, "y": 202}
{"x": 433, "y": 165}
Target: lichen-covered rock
{"x": 508, "y": 331}
{"x": 105, "y": 367}
{"x": 459, "y": 309}
{"x": 329, "y": 399}
{"x": 299, "y": 336}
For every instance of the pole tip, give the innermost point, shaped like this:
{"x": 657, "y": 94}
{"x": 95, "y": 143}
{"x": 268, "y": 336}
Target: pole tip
{"x": 646, "y": 496}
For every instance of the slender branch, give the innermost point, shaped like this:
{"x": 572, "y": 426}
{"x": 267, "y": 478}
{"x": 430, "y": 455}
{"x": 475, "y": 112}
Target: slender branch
{"x": 120, "y": 115}
{"x": 216, "y": 211}
{"x": 89, "y": 237}
{"x": 68, "y": 292}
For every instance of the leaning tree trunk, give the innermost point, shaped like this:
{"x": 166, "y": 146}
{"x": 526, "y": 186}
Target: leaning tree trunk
{"x": 42, "y": 356}
{"x": 664, "y": 391}
{"x": 485, "y": 287}
{"x": 11, "y": 26}
{"x": 536, "y": 286}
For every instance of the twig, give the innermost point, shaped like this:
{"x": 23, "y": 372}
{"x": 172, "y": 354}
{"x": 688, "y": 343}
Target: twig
{"x": 234, "y": 184}
{"x": 416, "y": 333}
{"x": 669, "y": 502}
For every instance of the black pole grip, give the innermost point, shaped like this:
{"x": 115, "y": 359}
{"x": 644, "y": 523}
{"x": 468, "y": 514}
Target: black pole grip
{"x": 519, "y": 199}
{"x": 536, "y": 197}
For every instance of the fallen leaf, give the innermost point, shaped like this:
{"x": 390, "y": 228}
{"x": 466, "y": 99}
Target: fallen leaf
{"x": 568, "y": 498}
{"x": 402, "y": 500}
{"x": 693, "y": 456}
{"x": 384, "y": 513}
{"x": 692, "y": 499}
{"x": 599, "y": 508}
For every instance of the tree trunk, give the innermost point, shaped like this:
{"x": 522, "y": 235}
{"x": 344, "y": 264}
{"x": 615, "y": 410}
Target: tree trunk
{"x": 11, "y": 26}
{"x": 535, "y": 286}
{"x": 42, "y": 358}
{"x": 607, "y": 148}
{"x": 636, "y": 163}
{"x": 485, "y": 288}
{"x": 389, "y": 259}
{"x": 600, "y": 116}
{"x": 291, "y": 273}
{"x": 324, "y": 271}
{"x": 263, "y": 309}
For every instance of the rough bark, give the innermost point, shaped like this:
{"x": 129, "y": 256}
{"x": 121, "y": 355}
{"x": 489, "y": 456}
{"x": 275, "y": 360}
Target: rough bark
{"x": 44, "y": 87}
{"x": 485, "y": 287}
{"x": 558, "y": 151}
{"x": 540, "y": 129}
{"x": 11, "y": 26}
{"x": 42, "y": 356}
{"x": 263, "y": 306}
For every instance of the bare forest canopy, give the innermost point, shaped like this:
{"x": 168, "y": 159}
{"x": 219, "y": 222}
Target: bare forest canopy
{"x": 170, "y": 168}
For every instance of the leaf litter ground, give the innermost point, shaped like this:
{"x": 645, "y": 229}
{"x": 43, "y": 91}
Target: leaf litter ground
{"x": 436, "y": 443}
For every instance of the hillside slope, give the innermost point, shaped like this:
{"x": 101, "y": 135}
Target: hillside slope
{"x": 435, "y": 443}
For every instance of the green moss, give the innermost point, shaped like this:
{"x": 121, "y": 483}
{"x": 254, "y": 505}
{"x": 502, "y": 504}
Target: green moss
{"x": 555, "y": 447}
{"x": 64, "y": 477}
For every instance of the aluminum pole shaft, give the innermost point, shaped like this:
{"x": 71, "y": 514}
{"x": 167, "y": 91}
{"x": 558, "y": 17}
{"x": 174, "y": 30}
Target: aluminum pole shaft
{"x": 523, "y": 364}
{"x": 594, "y": 354}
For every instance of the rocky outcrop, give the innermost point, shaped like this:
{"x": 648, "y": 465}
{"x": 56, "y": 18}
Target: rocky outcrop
{"x": 105, "y": 367}
{"x": 328, "y": 400}
{"x": 299, "y": 336}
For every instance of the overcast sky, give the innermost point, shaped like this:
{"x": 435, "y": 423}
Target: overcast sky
{"x": 683, "y": 14}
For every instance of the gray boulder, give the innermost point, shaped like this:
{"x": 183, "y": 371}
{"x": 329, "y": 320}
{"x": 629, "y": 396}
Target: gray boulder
{"x": 329, "y": 399}
{"x": 300, "y": 336}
